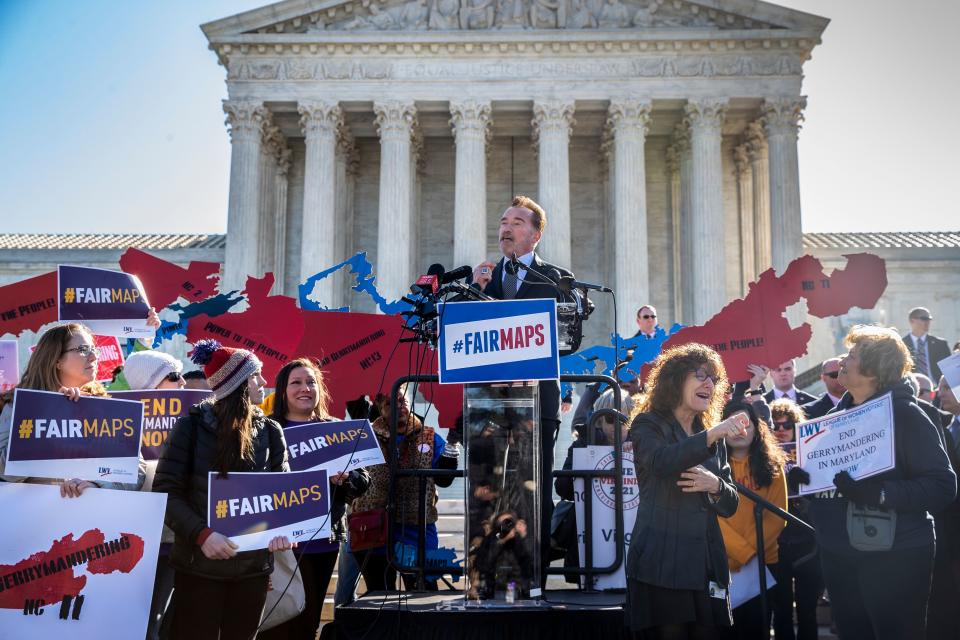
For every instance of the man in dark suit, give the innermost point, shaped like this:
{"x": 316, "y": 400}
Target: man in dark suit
{"x": 927, "y": 350}
{"x": 521, "y": 227}
{"x": 783, "y": 377}
{"x": 829, "y": 374}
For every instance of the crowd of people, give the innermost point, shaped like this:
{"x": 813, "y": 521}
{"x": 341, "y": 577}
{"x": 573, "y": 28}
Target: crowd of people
{"x": 885, "y": 552}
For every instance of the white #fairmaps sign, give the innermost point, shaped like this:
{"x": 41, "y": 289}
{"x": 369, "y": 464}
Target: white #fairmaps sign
{"x": 600, "y": 458}
{"x": 78, "y": 568}
{"x": 859, "y": 441}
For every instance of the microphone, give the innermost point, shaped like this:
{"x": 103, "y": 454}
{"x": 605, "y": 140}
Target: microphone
{"x": 457, "y": 274}
{"x": 428, "y": 284}
{"x": 567, "y": 284}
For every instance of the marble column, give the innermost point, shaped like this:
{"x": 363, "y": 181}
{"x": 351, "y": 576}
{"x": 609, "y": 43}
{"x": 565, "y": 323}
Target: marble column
{"x": 396, "y": 122}
{"x": 760, "y": 180}
{"x": 319, "y": 121}
{"x": 673, "y": 175}
{"x": 706, "y": 208}
{"x": 345, "y": 173}
{"x": 629, "y": 120}
{"x": 553, "y": 124}
{"x": 687, "y": 255}
{"x": 471, "y": 125}
{"x": 782, "y": 117}
{"x": 741, "y": 162}
{"x": 281, "y": 184}
{"x": 245, "y": 120}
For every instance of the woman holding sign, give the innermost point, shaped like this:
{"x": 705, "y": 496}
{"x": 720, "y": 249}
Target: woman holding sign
{"x": 302, "y": 398}
{"x": 64, "y": 361}
{"x": 876, "y": 534}
{"x": 677, "y": 572}
{"x": 218, "y": 592}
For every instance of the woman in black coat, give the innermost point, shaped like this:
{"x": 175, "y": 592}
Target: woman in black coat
{"x": 218, "y": 592}
{"x": 677, "y": 574}
{"x": 883, "y": 593}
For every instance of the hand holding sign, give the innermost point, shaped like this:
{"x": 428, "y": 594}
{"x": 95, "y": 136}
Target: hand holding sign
{"x": 219, "y": 547}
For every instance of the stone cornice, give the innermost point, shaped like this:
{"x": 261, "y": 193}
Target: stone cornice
{"x": 429, "y": 44}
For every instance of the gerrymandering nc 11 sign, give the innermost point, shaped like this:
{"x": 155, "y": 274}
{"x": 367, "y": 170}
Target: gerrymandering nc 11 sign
{"x": 498, "y": 341}
{"x": 77, "y": 568}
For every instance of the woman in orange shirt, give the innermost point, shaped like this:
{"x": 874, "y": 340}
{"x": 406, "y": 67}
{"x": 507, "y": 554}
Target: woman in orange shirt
{"x": 756, "y": 462}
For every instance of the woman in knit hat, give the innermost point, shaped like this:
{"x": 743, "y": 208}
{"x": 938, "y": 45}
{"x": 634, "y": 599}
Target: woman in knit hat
{"x": 153, "y": 370}
{"x": 218, "y": 592}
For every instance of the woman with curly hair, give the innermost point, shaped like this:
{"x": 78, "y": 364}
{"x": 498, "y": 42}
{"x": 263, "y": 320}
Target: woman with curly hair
{"x": 677, "y": 572}
{"x": 756, "y": 461}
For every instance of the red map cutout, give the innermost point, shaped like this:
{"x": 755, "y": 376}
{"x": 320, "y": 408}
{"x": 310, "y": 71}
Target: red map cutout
{"x": 164, "y": 281}
{"x": 29, "y": 304}
{"x": 271, "y": 327}
{"x": 48, "y": 576}
{"x": 753, "y": 330}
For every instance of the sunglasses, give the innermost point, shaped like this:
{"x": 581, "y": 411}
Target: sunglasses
{"x": 702, "y": 376}
{"x": 173, "y": 376}
{"x": 786, "y": 426}
{"x": 84, "y": 350}
{"x": 833, "y": 374}
{"x": 646, "y": 317}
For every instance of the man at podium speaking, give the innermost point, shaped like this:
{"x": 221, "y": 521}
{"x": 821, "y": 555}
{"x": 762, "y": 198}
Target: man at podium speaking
{"x": 521, "y": 274}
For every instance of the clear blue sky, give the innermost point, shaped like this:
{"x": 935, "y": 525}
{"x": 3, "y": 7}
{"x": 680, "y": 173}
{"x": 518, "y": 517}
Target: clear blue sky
{"x": 111, "y": 120}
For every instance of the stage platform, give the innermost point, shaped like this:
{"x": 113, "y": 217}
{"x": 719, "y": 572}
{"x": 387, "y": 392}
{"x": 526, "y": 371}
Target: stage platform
{"x": 562, "y": 615}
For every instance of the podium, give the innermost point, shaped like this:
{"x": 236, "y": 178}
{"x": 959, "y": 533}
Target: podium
{"x": 501, "y": 427}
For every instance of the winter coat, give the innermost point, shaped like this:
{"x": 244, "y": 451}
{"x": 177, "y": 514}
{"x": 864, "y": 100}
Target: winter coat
{"x": 182, "y": 471}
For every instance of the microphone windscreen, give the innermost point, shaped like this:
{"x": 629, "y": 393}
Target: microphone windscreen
{"x": 436, "y": 270}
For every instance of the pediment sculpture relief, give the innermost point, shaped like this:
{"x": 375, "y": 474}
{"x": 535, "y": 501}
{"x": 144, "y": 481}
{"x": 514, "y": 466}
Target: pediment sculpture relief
{"x": 451, "y": 15}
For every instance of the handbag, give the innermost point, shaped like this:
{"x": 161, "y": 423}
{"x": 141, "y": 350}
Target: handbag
{"x": 286, "y": 599}
{"x": 368, "y": 529}
{"x": 870, "y": 528}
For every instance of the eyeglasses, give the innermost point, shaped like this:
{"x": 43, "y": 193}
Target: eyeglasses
{"x": 173, "y": 376}
{"x": 84, "y": 350}
{"x": 833, "y": 374}
{"x": 702, "y": 376}
{"x": 645, "y": 317}
{"x": 786, "y": 426}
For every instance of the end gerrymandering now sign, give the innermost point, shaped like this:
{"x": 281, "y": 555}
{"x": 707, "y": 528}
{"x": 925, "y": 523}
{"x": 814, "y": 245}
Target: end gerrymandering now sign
{"x": 161, "y": 410}
{"x": 859, "y": 441}
{"x": 335, "y": 446}
{"x": 253, "y": 508}
{"x": 110, "y": 303}
{"x": 96, "y": 439}
{"x": 498, "y": 341}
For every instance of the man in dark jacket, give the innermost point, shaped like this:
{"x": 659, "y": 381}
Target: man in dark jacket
{"x": 783, "y": 377}
{"x": 927, "y": 350}
{"x": 829, "y": 374}
{"x": 521, "y": 227}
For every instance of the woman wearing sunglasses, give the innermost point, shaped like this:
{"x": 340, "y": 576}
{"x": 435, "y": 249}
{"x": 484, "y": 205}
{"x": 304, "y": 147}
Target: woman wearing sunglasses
{"x": 677, "y": 573}
{"x": 64, "y": 361}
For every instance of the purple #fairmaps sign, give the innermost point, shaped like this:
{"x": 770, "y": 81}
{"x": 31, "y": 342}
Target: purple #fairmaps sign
{"x": 334, "y": 446}
{"x": 9, "y": 365}
{"x": 253, "y": 508}
{"x": 95, "y": 439}
{"x": 161, "y": 410}
{"x": 110, "y": 303}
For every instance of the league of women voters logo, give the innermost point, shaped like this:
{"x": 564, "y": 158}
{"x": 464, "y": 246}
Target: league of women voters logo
{"x": 56, "y": 576}
{"x": 605, "y": 489}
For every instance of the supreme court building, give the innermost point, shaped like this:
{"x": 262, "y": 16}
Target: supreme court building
{"x": 660, "y": 136}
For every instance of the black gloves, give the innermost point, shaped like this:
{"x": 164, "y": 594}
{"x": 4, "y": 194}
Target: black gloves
{"x": 866, "y": 492}
{"x": 796, "y": 477}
